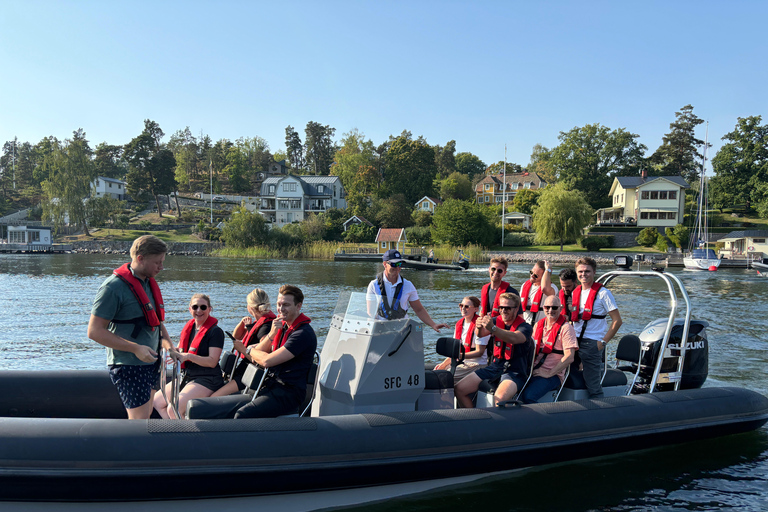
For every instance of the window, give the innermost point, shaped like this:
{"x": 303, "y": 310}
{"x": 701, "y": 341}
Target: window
{"x": 34, "y": 236}
{"x": 671, "y": 215}
{"x": 663, "y": 194}
{"x": 487, "y": 187}
{"x": 383, "y": 245}
{"x": 97, "y": 183}
{"x": 653, "y": 215}
{"x": 654, "y": 194}
{"x": 643, "y": 215}
{"x": 289, "y": 187}
{"x": 644, "y": 194}
{"x": 16, "y": 237}
{"x": 498, "y": 199}
{"x": 662, "y": 215}
{"x": 527, "y": 184}
{"x": 622, "y": 197}
{"x": 673, "y": 194}
{"x": 272, "y": 190}
{"x": 320, "y": 189}
{"x": 514, "y": 186}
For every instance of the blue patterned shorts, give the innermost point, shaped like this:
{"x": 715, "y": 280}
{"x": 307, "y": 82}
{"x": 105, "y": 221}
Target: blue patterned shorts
{"x": 134, "y": 383}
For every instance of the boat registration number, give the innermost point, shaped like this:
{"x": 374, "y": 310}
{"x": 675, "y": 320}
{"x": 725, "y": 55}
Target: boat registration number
{"x": 397, "y": 382}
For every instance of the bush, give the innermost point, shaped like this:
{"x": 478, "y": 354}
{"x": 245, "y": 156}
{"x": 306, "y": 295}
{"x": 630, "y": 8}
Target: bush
{"x": 519, "y": 239}
{"x": 647, "y": 237}
{"x": 661, "y": 243}
{"x": 145, "y": 224}
{"x": 419, "y": 235}
{"x": 595, "y": 243}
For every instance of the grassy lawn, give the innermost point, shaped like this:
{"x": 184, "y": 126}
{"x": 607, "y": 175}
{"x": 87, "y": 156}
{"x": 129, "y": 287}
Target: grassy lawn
{"x": 129, "y": 235}
{"x": 570, "y": 248}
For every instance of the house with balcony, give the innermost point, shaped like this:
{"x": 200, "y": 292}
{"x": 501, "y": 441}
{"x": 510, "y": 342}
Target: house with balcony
{"x": 495, "y": 188}
{"x": 740, "y": 244}
{"x": 111, "y": 187}
{"x": 290, "y": 198}
{"x": 656, "y": 201}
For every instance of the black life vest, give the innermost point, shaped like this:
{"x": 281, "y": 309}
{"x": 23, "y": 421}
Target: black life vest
{"x": 394, "y": 312}
{"x": 502, "y": 351}
{"x": 191, "y": 346}
{"x": 151, "y": 317}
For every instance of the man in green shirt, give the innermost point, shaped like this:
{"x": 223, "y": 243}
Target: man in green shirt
{"x": 127, "y": 318}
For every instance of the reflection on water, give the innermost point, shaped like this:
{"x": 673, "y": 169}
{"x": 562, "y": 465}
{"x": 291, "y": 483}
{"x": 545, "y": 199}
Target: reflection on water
{"x": 46, "y": 301}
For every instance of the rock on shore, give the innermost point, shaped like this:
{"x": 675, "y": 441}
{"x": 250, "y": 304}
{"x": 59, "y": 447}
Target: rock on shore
{"x": 174, "y": 248}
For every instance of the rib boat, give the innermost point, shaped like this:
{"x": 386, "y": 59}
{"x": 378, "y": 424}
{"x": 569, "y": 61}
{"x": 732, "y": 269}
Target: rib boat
{"x": 375, "y": 419}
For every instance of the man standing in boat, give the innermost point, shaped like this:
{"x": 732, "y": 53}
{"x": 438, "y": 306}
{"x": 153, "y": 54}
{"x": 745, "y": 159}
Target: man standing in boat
{"x": 286, "y": 353}
{"x": 512, "y": 347}
{"x": 489, "y": 295}
{"x": 568, "y": 283}
{"x": 390, "y": 295}
{"x": 535, "y": 290}
{"x": 127, "y": 318}
{"x": 592, "y": 303}
{"x": 555, "y": 344}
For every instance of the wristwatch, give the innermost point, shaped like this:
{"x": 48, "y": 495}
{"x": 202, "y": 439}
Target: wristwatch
{"x": 549, "y": 270}
{"x": 493, "y": 328}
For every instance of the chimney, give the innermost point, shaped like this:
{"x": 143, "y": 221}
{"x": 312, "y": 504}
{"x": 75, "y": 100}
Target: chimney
{"x": 644, "y": 174}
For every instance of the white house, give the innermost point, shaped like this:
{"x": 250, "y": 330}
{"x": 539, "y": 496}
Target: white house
{"x": 657, "y": 201}
{"x": 290, "y": 198}
{"x": 750, "y": 242}
{"x": 518, "y": 219}
{"x": 109, "y": 187}
{"x": 30, "y": 235}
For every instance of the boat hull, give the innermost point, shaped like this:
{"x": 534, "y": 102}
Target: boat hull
{"x": 700, "y": 263}
{"x": 82, "y": 460}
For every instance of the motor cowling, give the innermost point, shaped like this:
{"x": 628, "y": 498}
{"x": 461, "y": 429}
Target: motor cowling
{"x": 696, "y": 365}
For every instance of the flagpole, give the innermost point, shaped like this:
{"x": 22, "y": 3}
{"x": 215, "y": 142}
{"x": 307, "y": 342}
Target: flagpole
{"x": 210, "y": 167}
{"x": 503, "y": 195}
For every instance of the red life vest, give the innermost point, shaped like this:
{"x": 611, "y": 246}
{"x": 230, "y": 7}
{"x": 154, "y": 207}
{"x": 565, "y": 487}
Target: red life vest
{"x": 547, "y": 346}
{"x": 536, "y": 297}
{"x": 186, "y": 332}
{"x": 484, "y": 309}
{"x": 502, "y": 351}
{"x": 152, "y": 318}
{"x": 282, "y": 334}
{"x": 469, "y": 338}
{"x": 266, "y": 317}
{"x": 588, "y": 307}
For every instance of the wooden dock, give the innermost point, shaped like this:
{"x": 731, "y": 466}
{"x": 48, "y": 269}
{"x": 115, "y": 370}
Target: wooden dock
{"x": 34, "y": 248}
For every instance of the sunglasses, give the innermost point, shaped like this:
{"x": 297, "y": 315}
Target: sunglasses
{"x": 493, "y": 270}
{"x": 505, "y": 308}
{"x": 465, "y": 306}
{"x": 396, "y": 265}
{"x": 534, "y": 275}
{"x": 202, "y": 307}
{"x": 551, "y": 307}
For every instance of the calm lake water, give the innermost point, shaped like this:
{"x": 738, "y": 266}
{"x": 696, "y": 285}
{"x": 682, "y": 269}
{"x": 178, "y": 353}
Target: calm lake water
{"x": 46, "y": 300}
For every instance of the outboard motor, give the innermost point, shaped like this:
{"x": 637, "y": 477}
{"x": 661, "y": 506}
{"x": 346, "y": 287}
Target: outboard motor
{"x": 695, "y": 367}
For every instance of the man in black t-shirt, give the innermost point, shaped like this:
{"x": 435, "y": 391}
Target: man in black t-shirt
{"x": 287, "y": 353}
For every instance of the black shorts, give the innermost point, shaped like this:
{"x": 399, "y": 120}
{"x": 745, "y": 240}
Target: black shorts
{"x": 135, "y": 383}
{"x": 212, "y": 382}
{"x": 495, "y": 370}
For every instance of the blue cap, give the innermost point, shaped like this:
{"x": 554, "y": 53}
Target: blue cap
{"x": 392, "y": 256}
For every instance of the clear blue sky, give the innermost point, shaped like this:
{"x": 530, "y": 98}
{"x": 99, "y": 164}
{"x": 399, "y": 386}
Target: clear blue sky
{"x": 483, "y": 73}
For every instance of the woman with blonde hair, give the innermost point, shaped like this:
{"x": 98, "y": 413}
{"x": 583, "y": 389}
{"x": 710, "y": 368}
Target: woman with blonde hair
{"x": 249, "y": 332}
{"x": 475, "y": 356}
{"x": 200, "y": 345}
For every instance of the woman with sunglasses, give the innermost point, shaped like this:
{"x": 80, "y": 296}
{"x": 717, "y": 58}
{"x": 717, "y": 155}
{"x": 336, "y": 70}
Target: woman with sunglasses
{"x": 248, "y": 333}
{"x": 475, "y": 354}
{"x": 200, "y": 345}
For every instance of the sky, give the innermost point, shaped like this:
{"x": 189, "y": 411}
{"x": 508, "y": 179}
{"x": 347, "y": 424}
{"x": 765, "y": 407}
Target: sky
{"x": 486, "y": 74}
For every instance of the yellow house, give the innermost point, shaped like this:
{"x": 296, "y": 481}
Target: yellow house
{"x": 390, "y": 238}
{"x": 741, "y": 243}
{"x": 490, "y": 190}
{"x": 427, "y": 204}
{"x": 657, "y": 201}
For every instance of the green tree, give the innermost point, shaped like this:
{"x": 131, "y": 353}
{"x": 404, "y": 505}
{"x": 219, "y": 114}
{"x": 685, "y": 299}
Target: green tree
{"x": 319, "y": 148}
{"x": 394, "y": 212}
{"x": 469, "y": 165}
{"x": 421, "y": 218}
{"x": 647, "y": 237}
{"x": 526, "y": 200}
{"x": 741, "y": 164}
{"x": 108, "y": 160}
{"x": 463, "y": 222}
{"x": 151, "y": 168}
{"x": 245, "y": 229}
{"x": 541, "y": 164}
{"x": 354, "y": 154}
{"x": 70, "y": 175}
{"x": 678, "y": 235}
{"x": 410, "y": 167}
{"x": 456, "y": 186}
{"x": 445, "y": 159}
{"x": 360, "y": 233}
{"x": 661, "y": 243}
{"x": 500, "y": 167}
{"x": 588, "y": 158}
{"x": 103, "y": 210}
{"x": 560, "y": 215}
{"x": 679, "y": 151}
{"x": 294, "y": 149}
{"x": 237, "y": 170}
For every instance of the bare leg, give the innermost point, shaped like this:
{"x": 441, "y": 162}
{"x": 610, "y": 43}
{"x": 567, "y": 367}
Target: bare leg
{"x": 141, "y": 412}
{"x": 161, "y": 406}
{"x": 466, "y": 387}
{"x": 190, "y": 391}
{"x": 506, "y": 390}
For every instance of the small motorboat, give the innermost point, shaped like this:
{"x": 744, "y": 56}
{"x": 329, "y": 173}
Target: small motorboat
{"x": 378, "y": 420}
{"x": 459, "y": 262}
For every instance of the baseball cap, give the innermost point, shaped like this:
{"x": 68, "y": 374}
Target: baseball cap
{"x": 392, "y": 256}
